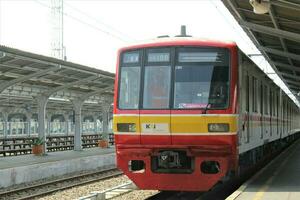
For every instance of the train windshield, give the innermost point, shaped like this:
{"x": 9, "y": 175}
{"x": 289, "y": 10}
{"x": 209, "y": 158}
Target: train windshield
{"x": 174, "y": 78}
{"x": 201, "y": 79}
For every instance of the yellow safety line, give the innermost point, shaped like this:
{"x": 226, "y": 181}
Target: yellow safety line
{"x": 265, "y": 187}
{"x": 237, "y": 193}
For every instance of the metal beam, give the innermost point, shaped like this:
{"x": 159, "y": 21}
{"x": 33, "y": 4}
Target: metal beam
{"x": 56, "y": 89}
{"x": 275, "y": 23}
{"x": 286, "y": 66}
{"x": 78, "y": 68}
{"x": 290, "y": 76}
{"x": 46, "y": 80}
{"x": 281, "y": 53}
{"x": 286, "y": 4}
{"x": 12, "y": 66}
{"x": 271, "y": 31}
{"x": 25, "y": 78}
{"x": 50, "y": 81}
{"x": 295, "y": 83}
{"x": 295, "y": 89}
{"x": 98, "y": 92}
{"x": 282, "y": 20}
{"x": 16, "y": 55}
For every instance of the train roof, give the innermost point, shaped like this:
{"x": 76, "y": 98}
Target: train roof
{"x": 180, "y": 41}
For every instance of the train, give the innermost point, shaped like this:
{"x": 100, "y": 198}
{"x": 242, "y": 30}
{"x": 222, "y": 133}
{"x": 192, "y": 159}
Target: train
{"x": 190, "y": 113}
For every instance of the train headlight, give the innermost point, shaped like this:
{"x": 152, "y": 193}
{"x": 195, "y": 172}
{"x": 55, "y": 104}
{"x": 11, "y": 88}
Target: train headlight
{"x": 218, "y": 127}
{"x": 126, "y": 127}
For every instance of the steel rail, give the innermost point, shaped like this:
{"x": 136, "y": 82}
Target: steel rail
{"x": 59, "y": 188}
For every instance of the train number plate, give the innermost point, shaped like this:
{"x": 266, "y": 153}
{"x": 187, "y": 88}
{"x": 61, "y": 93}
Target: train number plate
{"x": 155, "y": 128}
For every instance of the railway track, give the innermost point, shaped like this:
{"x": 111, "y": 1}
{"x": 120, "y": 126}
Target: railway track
{"x": 45, "y": 188}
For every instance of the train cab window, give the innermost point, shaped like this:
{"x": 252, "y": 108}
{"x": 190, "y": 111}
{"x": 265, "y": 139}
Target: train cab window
{"x": 157, "y": 87}
{"x": 129, "y": 87}
{"x": 157, "y": 79}
{"x": 201, "y": 78}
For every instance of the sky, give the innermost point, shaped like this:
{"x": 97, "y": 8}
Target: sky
{"x": 95, "y": 29}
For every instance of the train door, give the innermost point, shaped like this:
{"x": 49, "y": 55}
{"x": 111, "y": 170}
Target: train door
{"x": 246, "y": 114}
{"x": 240, "y": 97}
{"x": 155, "y": 109}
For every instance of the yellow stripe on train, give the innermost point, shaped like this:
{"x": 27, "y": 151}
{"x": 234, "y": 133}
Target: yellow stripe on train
{"x": 178, "y": 124}
{"x": 200, "y": 124}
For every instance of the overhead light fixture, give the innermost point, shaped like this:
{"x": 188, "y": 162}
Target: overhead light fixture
{"x": 260, "y": 6}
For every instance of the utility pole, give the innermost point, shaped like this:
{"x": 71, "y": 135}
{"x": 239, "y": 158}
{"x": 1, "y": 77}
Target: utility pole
{"x": 57, "y": 45}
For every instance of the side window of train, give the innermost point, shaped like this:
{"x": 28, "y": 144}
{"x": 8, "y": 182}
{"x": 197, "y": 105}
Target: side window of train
{"x": 266, "y": 94}
{"x": 254, "y": 94}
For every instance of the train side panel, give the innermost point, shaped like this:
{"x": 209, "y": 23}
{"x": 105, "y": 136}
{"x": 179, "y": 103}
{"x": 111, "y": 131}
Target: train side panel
{"x": 267, "y": 114}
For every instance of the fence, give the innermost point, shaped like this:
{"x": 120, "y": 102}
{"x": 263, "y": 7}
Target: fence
{"x": 22, "y": 145}
{"x": 52, "y": 128}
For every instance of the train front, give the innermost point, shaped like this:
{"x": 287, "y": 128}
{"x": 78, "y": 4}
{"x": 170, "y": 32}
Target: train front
{"x": 175, "y": 121}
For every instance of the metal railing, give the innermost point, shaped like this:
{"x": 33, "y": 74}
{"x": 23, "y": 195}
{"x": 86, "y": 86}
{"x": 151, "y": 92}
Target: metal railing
{"x": 52, "y": 128}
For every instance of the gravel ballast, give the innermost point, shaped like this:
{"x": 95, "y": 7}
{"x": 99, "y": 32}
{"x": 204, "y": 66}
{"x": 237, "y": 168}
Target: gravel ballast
{"x": 84, "y": 190}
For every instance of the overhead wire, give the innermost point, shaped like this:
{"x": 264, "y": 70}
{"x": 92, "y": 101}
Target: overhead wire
{"x": 99, "y": 21}
{"x": 88, "y": 24}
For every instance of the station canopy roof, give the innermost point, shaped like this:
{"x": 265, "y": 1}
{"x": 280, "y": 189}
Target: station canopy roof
{"x": 276, "y": 34}
{"x": 24, "y": 76}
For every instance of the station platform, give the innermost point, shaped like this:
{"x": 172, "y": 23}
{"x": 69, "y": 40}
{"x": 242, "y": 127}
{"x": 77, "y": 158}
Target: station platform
{"x": 27, "y": 168}
{"x": 279, "y": 180}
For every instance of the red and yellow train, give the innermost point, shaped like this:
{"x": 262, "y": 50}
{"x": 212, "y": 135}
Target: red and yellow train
{"x": 189, "y": 113}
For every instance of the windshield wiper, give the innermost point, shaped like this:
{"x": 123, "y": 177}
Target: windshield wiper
{"x": 206, "y": 108}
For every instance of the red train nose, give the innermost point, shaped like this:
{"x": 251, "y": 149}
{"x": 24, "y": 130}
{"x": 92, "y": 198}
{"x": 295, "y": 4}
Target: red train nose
{"x": 173, "y": 169}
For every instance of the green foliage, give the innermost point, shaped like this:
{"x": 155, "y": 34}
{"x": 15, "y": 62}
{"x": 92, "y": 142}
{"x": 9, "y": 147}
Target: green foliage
{"x": 37, "y": 141}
